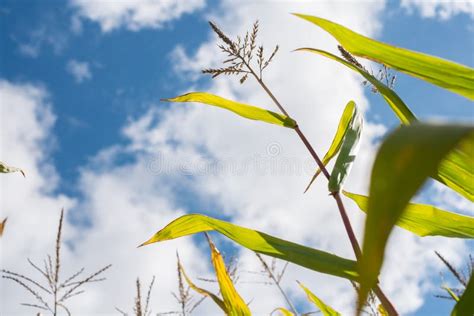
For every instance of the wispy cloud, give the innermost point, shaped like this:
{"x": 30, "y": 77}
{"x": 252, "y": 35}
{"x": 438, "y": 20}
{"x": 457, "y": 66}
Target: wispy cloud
{"x": 42, "y": 37}
{"x": 80, "y": 70}
{"x": 134, "y": 14}
{"x": 441, "y": 9}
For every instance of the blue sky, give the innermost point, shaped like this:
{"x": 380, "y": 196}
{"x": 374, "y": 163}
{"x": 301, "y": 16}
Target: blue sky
{"x": 103, "y": 83}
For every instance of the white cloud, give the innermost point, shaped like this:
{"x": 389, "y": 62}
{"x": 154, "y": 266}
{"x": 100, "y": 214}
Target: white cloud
{"x": 122, "y": 213}
{"x": 442, "y": 9}
{"x": 80, "y": 70}
{"x": 31, "y": 204}
{"x": 134, "y": 15}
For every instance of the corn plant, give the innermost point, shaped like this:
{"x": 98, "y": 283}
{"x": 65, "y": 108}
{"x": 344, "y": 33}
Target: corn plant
{"x": 53, "y": 295}
{"x": 408, "y": 156}
{"x": 4, "y": 168}
{"x": 141, "y": 308}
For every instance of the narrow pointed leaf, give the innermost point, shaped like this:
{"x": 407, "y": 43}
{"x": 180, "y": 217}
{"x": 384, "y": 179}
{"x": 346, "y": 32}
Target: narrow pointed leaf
{"x": 457, "y": 170}
{"x": 260, "y": 242}
{"x": 427, "y": 220}
{"x": 202, "y": 291}
{"x": 347, "y": 154}
{"x": 244, "y": 110}
{"x": 394, "y": 101}
{"x": 283, "y": 311}
{"x": 465, "y": 305}
{"x": 233, "y": 303}
{"x": 4, "y": 168}
{"x": 382, "y": 311}
{"x": 451, "y": 293}
{"x": 337, "y": 140}
{"x": 325, "y": 309}
{"x": 406, "y": 158}
{"x": 446, "y": 74}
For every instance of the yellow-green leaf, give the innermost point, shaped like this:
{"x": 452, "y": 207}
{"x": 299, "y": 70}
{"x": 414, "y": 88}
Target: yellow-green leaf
{"x": 465, "y": 305}
{"x": 337, "y": 140}
{"x": 457, "y": 169}
{"x": 325, "y": 309}
{"x": 234, "y": 304}
{"x": 4, "y": 168}
{"x": 2, "y": 226}
{"x": 283, "y": 311}
{"x": 446, "y": 74}
{"x": 201, "y": 291}
{"x": 406, "y": 158}
{"x": 244, "y": 110}
{"x": 347, "y": 154}
{"x": 427, "y": 220}
{"x": 382, "y": 311}
{"x": 260, "y": 242}
{"x": 451, "y": 293}
{"x": 396, "y": 103}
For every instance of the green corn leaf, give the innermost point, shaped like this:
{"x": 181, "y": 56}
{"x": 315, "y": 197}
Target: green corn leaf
{"x": 244, "y": 110}
{"x": 406, "y": 158}
{"x": 347, "y": 154}
{"x": 283, "y": 311}
{"x": 4, "y": 168}
{"x": 234, "y": 304}
{"x": 337, "y": 140}
{"x": 465, "y": 305}
{"x": 382, "y": 311}
{"x": 201, "y": 291}
{"x": 259, "y": 242}
{"x": 427, "y": 220}
{"x": 325, "y": 309}
{"x": 457, "y": 169}
{"x": 446, "y": 74}
{"x": 451, "y": 293}
{"x": 396, "y": 103}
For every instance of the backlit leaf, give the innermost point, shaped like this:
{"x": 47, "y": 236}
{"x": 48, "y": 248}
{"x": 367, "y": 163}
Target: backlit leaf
{"x": 406, "y": 158}
{"x": 233, "y": 303}
{"x": 244, "y": 110}
{"x": 451, "y": 293}
{"x": 4, "y": 168}
{"x": 427, "y": 220}
{"x": 382, "y": 311}
{"x": 283, "y": 311}
{"x": 465, "y": 305}
{"x": 457, "y": 169}
{"x": 347, "y": 154}
{"x": 396, "y": 103}
{"x": 201, "y": 291}
{"x": 443, "y": 73}
{"x": 325, "y": 309}
{"x": 337, "y": 140}
{"x": 260, "y": 242}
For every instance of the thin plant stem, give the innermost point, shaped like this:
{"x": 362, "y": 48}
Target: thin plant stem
{"x": 345, "y": 219}
{"x": 277, "y": 283}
